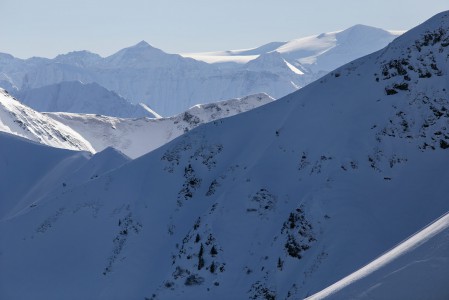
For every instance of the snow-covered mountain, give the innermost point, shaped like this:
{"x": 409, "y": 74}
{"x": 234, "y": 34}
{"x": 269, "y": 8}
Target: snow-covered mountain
{"x": 18, "y": 119}
{"x": 168, "y": 83}
{"x": 275, "y": 203}
{"x": 319, "y": 54}
{"x": 135, "y": 137}
{"x": 77, "y": 97}
{"x": 171, "y": 83}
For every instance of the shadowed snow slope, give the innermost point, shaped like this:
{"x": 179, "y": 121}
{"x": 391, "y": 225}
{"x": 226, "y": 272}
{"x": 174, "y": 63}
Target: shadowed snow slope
{"x": 24, "y": 163}
{"x": 417, "y": 268}
{"x": 278, "y": 202}
{"x": 18, "y": 119}
{"x": 31, "y": 171}
{"x": 135, "y": 137}
{"x": 77, "y": 97}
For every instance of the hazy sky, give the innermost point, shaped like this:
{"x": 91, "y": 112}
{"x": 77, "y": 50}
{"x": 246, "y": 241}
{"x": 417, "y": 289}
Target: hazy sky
{"x": 50, "y": 27}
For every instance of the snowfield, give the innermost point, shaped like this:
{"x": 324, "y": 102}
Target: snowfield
{"x": 318, "y": 53}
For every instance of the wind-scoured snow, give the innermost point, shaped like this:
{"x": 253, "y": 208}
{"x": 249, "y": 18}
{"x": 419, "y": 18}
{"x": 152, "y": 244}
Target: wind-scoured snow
{"x": 278, "y": 202}
{"x": 18, "y": 119}
{"x": 77, "y": 97}
{"x": 135, "y": 137}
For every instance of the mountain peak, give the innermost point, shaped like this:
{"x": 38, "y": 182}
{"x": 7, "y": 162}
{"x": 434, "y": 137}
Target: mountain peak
{"x": 361, "y": 27}
{"x": 141, "y": 48}
{"x": 142, "y": 44}
{"x": 78, "y": 53}
{"x": 362, "y": 31}
{"x": 79, "y": 58}
{"x": 138, "y": 55}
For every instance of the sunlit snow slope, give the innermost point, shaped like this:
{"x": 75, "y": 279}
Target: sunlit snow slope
{"x": 318, "y": 53}
{"x": 18, "y": 119}
{"x": 135, "y": 137}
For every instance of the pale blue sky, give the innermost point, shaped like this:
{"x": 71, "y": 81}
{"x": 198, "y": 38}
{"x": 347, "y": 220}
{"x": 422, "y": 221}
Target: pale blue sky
{"x": 50, "y": 27}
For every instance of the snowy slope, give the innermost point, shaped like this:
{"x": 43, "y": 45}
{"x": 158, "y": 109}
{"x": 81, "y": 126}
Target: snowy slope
{"x": 272, "y": 61}
{"x": 18, "y": 119}
{"x": 77, "y": 97}
{"x": 23, "y": 163}
{"x": 31, "y": 171}
{"x": 278, "y": 202}
{"x": 327, "y": 51}
{"x": 417, "y": 268}
{"x": 318, "y": 53}
{"x": 135, "y": 137}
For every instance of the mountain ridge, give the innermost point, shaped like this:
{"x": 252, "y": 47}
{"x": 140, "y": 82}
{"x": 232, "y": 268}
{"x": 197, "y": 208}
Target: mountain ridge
{"x": 18, "y": 119}
{"x": 135, "y": 137}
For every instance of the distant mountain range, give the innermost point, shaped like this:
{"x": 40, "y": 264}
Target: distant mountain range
{"x": 171, "y": 83}
{"x": 77, "y": 97}
{"x": 280, "y": 202}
